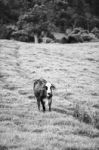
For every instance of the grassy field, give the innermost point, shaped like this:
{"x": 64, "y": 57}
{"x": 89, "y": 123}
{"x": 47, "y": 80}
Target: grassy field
{"x": 73, "y": 123}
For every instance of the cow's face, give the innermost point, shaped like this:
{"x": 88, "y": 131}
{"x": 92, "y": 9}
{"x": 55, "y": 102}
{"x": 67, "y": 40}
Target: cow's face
{"x": 49, "y": 88}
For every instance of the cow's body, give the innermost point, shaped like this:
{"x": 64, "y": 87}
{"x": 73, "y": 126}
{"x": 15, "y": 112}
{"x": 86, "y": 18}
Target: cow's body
{"x": 43, "y": 93}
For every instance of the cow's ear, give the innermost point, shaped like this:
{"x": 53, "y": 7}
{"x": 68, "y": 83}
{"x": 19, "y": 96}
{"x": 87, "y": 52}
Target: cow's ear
{"x": 35, "y": 82}
{"x": 53, "y": 86}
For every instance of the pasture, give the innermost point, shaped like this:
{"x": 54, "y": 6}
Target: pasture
{"x": 73, "y": 123}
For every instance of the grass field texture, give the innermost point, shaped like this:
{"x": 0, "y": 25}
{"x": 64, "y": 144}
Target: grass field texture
{"x": 73, "y": 123}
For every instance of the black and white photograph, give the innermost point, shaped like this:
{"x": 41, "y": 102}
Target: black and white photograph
{"x": 49, "y": 74}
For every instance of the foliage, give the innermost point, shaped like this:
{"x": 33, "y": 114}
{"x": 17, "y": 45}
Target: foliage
{"x": 95, "y": 31}
{"x": 22, "y": 35}
{"x": 6, "y": 31}
{"x": 3, "y": 32}
{"x": 33, "y": 20}
{"x": 8, "y": 14}
{"x": 80, "y": 35}
{"x": 36, "y": 16}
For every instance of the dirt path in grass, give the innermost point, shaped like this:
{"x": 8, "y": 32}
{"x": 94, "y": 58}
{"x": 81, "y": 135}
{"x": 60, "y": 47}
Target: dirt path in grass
{"x": 74, "y": 69}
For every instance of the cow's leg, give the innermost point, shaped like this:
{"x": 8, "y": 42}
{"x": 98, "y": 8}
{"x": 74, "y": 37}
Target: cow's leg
{"x": 38, "y": 103}
{"x": 49, "y": 107}
{"x": 43, "y": 105}
{"x": 49, "y": 103}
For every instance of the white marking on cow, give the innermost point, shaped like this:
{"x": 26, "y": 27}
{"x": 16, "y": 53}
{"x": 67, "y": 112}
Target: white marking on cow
{"x": 46, "y": 101}
{"x": 48, "y": 85}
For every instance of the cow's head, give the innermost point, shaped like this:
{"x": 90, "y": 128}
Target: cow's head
{"x": 49, "y": 87}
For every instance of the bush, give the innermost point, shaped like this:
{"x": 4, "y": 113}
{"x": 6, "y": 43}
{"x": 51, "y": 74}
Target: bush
{"x": 64, "y": 40}
{"x": 22, "y": 35}
{"x": 80, "y": 35}
{"x": 83, "y": 113}
{"x": 86, "y": 114}
{"x": 50, "y": 35}
{"x": 75, "y": 38}
{"x": 10, "y": 30}
{"x": 86, "y": 37}
{"x": 6, "y": 31}
{"x": 95, "y": 31}
{"x": 96, "y": 118}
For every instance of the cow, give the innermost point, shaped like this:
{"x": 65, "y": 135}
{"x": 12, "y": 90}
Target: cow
{"x": 43, "y": 93}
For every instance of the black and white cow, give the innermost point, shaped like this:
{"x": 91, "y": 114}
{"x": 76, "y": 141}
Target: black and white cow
{"x": 43, "y": 93}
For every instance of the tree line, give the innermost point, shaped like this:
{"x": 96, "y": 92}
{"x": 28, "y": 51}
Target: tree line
{"x": 46, "y": 16}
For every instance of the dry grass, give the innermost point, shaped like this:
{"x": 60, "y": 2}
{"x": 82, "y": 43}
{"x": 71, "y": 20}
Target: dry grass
{"x": 86, "y": 114}
{"x": 73, "y": 123}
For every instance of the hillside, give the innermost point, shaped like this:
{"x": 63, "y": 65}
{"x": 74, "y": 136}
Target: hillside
{"x": 74, "y": 69}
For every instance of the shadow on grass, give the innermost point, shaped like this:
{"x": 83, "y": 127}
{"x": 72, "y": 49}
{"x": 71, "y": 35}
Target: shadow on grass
{"x": 5, "y": 106}
{"x": 10, "y": 87}
{"x": 31, "y": 97}
{"x": 74, "y": 148}
{"x": 71, "y": 148}
{"x": 61, "y": 111}
{"x": 94, "y": 94}
{"x": 87, "y": 133}
{"x": 3, "y": 147}
{"x": 38, "y": 130}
